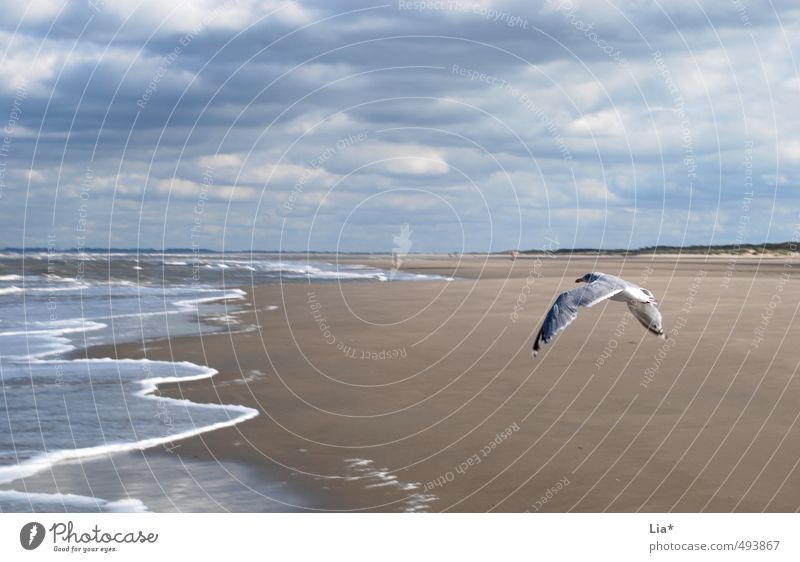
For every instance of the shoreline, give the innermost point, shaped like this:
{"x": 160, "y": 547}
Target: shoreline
{"x": 461, "y": 418}
{"x": 467, "y": 376}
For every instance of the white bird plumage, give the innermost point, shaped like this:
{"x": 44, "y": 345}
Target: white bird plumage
{"x": 599, "y": 287}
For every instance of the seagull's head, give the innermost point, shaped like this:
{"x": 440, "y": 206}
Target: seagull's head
{"x": 589, "y": 277}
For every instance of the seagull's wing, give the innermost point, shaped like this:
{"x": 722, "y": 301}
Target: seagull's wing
{"x": 648, "y": 314}
{"x": 565, "y": 309}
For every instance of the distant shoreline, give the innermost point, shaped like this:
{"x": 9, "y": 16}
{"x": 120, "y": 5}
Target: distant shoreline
{"x": 777, "y": 248}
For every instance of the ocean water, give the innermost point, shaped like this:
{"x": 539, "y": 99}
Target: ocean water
{"x": 56, "y": 406}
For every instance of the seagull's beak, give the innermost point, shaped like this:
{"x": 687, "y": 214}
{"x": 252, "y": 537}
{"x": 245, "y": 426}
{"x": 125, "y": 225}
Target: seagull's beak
{"x": 579, "y": 279}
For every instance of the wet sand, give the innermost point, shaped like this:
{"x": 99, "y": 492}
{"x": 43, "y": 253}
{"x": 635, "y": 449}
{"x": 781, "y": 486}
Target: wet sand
{"x": 423, "y": 396}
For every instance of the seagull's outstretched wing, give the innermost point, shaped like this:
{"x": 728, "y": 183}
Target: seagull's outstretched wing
{"x": 565, "y": 309}
{"x": 648, "y": 314}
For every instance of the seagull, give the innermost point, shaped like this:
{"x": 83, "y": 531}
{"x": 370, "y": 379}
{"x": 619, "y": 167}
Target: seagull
{"x": 599, "y": 287}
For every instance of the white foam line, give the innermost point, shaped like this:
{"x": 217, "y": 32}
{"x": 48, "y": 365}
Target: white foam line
{"x": 10, "y": 290}
{"x": 415, "y": 502}
{"x": 85, "y": 326}
{"x": 130, "y": 505}
{"x": 59, "y": 344}
{"x": 234, "y": 294}
{"x": 47, "y": 460}
{"x": 57, "y": 289}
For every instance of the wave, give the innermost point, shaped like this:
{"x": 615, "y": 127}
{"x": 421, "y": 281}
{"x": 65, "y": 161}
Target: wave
{"x": 47, "y": 502}
{"x": 42, "y": 339}
{"x": 232, "y": 294}
{"x": 57, "y": 328}
{"x": 46, "y": 460}
{"x": 11, "y": 290}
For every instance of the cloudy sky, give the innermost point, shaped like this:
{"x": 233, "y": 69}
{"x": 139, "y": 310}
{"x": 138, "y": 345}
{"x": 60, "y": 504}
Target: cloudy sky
{"x": 329, "y": 124}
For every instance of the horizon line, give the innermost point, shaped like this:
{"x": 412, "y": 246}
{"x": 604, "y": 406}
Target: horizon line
{"x": 785, "y": 245}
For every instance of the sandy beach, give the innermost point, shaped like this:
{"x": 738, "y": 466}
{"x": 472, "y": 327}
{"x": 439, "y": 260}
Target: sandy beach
{"x": 423, "y": 396}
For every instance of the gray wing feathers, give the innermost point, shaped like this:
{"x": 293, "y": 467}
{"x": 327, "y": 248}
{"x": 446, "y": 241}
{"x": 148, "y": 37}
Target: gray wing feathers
{"x": 597, "y": 291}
{"x": 649, "y": 315}
{"x": 560, "y": 315}
{"x": 565, "y": 309}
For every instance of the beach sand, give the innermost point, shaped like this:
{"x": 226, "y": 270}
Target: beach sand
{"x": 423, "y": 396}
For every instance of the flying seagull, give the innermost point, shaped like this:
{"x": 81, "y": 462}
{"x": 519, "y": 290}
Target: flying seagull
{"x": 598, "y": 288}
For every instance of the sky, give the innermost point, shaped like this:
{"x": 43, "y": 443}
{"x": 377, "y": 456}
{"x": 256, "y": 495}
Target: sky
{"x": 451, "y": 126}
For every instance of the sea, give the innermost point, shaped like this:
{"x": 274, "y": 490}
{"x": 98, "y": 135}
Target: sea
{"x": 58, "y": 406}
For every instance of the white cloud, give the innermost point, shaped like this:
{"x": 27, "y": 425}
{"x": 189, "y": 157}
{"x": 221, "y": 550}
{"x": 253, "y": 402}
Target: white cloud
{"x": 396, "y": 158}
{"x": 214, "y": 161}
{"x": 32, "y": 11}
{"x": 790, "y": 150}
{"x": 198, "y": 15}
{"x": 602, "y": 123}
{"x": 25, "y": 63}
{"x": 35, "y": 176}
{"x": 594, "y": 190}
{"x": 188, "y": 189}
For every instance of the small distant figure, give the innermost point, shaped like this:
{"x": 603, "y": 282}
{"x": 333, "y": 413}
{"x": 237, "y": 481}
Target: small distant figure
{"x": 514, "y": 255}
